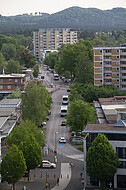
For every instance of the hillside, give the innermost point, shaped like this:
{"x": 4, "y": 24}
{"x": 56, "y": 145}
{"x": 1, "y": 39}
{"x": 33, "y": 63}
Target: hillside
{"x": 74, "y": 17}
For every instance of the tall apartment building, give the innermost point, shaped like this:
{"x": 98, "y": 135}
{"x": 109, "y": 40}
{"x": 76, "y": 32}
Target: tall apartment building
{"x": 52, "y": 39}
{"x": 110, "y": 66}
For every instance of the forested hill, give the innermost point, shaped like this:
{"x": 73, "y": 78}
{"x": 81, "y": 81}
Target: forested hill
{"x": 74, "y": 17}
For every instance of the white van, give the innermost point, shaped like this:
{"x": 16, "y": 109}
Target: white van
{"x": 65, "y": 100}
{"x": 63, "y": 111}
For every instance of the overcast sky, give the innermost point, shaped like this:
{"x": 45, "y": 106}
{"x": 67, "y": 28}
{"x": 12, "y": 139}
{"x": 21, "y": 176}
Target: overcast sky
{"x": 15, "y": 7}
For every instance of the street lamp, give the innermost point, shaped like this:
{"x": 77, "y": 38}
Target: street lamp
{"x": 0, "y": 150}
{"x": 55, "y": 151}
{"x": 85, "y": 173}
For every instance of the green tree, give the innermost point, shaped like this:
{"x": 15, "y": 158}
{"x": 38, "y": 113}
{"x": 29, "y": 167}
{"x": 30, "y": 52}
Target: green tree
{"x": 13, "y": 165}
{"x": 51, "y": 59}
{"x": 101, "y": 160}
{"x": 97, "y": 42}
{"x": 32, "y": 152}
{"x": 80, "y": 113}
{"x": 36, "y": 103}
{"x": 16, "y": 94}
{"x": 20, "y": 133}
{"x": 84, "y": 71}
{"x": 2, "y": 60}
{"x": 7, "y": 40}
{"x": 13, "y": 67}
{"x": 36, "y": 70}
{"x": 27, "y": 59}
{"x": 8, "y": 51}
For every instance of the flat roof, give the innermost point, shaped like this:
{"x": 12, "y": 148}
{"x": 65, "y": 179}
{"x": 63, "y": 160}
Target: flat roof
{"x": 12, "y": 75}
{"x": 9, "y": 102}
{"x": 103, "y": 128}
{"x": 97, "y": 48}
{"x": 2, "y": 121}
{"x": 6, "y": 111}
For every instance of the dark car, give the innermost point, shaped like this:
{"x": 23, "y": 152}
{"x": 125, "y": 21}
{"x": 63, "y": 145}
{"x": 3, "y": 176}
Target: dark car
{"x": 68, "y": 90}
{"x": 63, "y": 123}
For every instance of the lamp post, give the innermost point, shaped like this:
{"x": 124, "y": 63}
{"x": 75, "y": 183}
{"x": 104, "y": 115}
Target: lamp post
{"x": 55, "y": 151}
{"x": 85, "y": 173}
{"x": 0, "y": 150}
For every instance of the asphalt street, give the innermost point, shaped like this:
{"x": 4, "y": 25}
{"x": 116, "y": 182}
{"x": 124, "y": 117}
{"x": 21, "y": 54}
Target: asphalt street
{"x": 65, "y": 154}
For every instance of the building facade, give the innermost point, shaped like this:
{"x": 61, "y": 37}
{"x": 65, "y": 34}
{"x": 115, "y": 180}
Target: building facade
{"x": 110, "y": 66}
{"x": 111, "y": 113}
{"x": 9, "y": 82}
{"x": 52, "y": 39}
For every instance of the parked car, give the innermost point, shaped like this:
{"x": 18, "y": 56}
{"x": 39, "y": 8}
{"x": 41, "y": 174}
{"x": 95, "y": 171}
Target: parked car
{"x": 63, "y": 123}
{"x": 49, "y": 113}
{"x": 74, "y": 133}
{"x": 79, "y": 140}
{"x": 68, "y": 90}
{"x": 62, "y": 140}
{"x": 47, "y": 164}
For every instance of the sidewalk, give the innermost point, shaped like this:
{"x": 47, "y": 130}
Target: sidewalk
{"x": 65, "y": 177}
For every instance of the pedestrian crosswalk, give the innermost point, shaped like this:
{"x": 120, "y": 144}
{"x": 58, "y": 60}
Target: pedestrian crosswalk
{"x": 79, "y": 157}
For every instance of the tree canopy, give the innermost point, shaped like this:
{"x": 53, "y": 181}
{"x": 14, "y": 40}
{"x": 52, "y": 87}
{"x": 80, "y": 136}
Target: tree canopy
{"x": 13, "y": 67}
{"x": 101, "y": 160}
{"x": 16, "y": 94}
{"x": 13, "y": 165}
{"x": 32, "y": 152}
{"x": 36, "y": 103}
{"x": 80, "y": 113}
{"x": 89, "y": 92}
{"x": 20, "y": 133}
{"x": 36, "y": 70}
{"x": 51, "y": 59}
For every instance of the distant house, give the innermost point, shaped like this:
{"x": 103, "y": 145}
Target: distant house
{"x": 111, "y": 113}
{"x": 9, "y": 82}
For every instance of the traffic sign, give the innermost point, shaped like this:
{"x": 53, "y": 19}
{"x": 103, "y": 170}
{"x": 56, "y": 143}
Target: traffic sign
{"x": 61, "y": 145}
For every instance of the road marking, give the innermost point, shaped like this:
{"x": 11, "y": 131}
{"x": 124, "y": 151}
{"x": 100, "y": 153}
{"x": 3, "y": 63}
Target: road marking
{"x": 79, "y": 157}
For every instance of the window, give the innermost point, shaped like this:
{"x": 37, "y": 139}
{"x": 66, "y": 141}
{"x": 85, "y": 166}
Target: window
{"x": 121, "y": 152}
{"x": 117, "y": 50}
{"x": 108, "y": 51}
{"x": 101, "y": 57}
{"x": 122, "y": 164}
{"x": 10, "y": 80}
{"x": 100, "y": 80}
{"x": 1, "y": 86}
{"x": 9, "y": 87}
{"x": 1, "y": 80}
{"x": 100, "y": 51}
{"x": 117, "y": 75}
{"x": 16, "y": 80}
{"x": 100, "y": 63}
{"x": 117, "y": 69}
{"x": 117, "y": 56}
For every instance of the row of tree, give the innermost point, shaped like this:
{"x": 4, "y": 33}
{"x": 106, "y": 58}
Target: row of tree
{"x": 26, "y": 139}
{"x": 73, "y": 61}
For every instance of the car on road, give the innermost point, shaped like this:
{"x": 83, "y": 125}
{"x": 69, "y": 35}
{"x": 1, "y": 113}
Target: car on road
{"x": 47, "y": 164}
{"x": 63, "y": 123}
{"x": 62, "y": 140}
